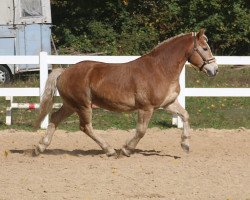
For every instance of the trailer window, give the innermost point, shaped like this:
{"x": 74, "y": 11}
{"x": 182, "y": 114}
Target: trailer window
{"x": 31, "y": 8}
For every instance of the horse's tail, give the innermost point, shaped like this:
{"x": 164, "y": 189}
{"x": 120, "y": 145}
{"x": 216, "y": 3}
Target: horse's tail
{"x": 47, "y": 101}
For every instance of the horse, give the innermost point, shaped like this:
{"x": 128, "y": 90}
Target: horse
{"x": 143, "y": 85}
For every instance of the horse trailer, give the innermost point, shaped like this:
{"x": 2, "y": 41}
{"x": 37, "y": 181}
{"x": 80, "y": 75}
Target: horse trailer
{"x": 25, "y": 29}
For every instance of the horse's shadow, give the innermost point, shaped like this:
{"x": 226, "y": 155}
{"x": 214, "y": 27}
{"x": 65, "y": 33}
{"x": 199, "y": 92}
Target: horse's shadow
{"x": 76, "y": 152}
{"x": 154, "y": 153}
{"x": 91, "y": 152}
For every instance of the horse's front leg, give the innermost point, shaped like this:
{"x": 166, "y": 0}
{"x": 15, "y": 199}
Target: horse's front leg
{"x": 144, "y": 117}
{"x": 176, "y": 108}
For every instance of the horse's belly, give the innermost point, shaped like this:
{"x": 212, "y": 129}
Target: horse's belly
{"x": 169, "y": 99}
{"x": 120, "y": 104}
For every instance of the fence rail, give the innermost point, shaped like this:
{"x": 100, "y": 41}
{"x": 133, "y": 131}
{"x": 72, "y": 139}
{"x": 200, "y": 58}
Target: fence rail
{"x": 44, "y": 60}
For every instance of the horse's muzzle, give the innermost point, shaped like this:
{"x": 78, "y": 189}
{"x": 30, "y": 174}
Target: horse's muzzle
{"x": 211, "y": 69}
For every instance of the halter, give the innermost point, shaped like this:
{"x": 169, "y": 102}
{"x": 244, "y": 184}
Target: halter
{"x": 196, "y": 48}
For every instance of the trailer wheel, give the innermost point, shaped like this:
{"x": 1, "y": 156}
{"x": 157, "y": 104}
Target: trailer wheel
{"x": 5, "y": 75}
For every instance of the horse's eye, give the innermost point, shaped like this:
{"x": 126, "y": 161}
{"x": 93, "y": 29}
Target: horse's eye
{"x": 205, "y": 48}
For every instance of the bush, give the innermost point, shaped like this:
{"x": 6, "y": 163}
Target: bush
{"x": 135, "y": 26}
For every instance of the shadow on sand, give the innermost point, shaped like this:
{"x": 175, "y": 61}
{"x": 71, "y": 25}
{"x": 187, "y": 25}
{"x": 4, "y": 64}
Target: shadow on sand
{"x": 92, "y": 152}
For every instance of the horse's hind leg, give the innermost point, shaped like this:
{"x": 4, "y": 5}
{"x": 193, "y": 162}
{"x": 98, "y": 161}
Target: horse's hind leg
{"x": 144, "y": 117}
{"x": 56, "y": 118}
{"x": 85, "y": 115}
{"x": 176, "y": 108}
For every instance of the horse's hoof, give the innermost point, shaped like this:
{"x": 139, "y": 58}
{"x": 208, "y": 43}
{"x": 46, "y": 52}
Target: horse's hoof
{"x": 125, "y": 152}
{"x": 185, "y": 147}
{"x": 111, "y": 152}
{"x": 36, "y": 152}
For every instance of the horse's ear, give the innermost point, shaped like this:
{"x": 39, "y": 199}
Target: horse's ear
{"x": 201, "y": 33}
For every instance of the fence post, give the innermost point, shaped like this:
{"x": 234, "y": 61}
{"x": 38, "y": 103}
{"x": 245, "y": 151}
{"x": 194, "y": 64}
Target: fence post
{"x": 174, "y": 119}
{"x": 43, "y": 78}
{"x": 9, "y": 111}
{"x": 181, "y": 97}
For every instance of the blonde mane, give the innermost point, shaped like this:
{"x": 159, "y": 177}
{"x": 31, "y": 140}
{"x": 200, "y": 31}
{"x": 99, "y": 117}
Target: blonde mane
{"x": 168, "y": 40}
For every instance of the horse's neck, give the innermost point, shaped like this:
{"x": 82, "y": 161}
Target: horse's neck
{"x": 173, "y": 55}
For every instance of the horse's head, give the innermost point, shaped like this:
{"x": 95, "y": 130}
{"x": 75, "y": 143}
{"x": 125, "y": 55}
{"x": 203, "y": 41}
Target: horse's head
{"x": 201, "y": 55}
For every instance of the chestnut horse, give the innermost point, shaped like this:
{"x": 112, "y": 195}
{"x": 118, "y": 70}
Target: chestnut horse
{"x": 145, "y": 84}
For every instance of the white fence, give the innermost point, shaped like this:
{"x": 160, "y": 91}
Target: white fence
{"x": 44, "y": 60}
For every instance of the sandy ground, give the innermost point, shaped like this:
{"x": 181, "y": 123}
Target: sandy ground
{"x": 217, "y": 167}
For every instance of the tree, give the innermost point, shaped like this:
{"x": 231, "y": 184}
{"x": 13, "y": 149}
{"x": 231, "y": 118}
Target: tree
{"x": 226, "y": 22}
{"x": 135, "y": 26}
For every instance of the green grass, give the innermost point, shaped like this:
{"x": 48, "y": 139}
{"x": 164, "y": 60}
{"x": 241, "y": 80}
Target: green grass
{"x": 23, "y": 119}
{"x": 29, "y": 79}
{"x": 227, "y": 77}
{"x": 104, "y": 120}
{"x": 214, "y": 112}
{"x": 227, "y": 113}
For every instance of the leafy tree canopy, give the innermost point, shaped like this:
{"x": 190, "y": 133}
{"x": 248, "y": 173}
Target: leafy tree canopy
{"x": 133, "y": 27}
